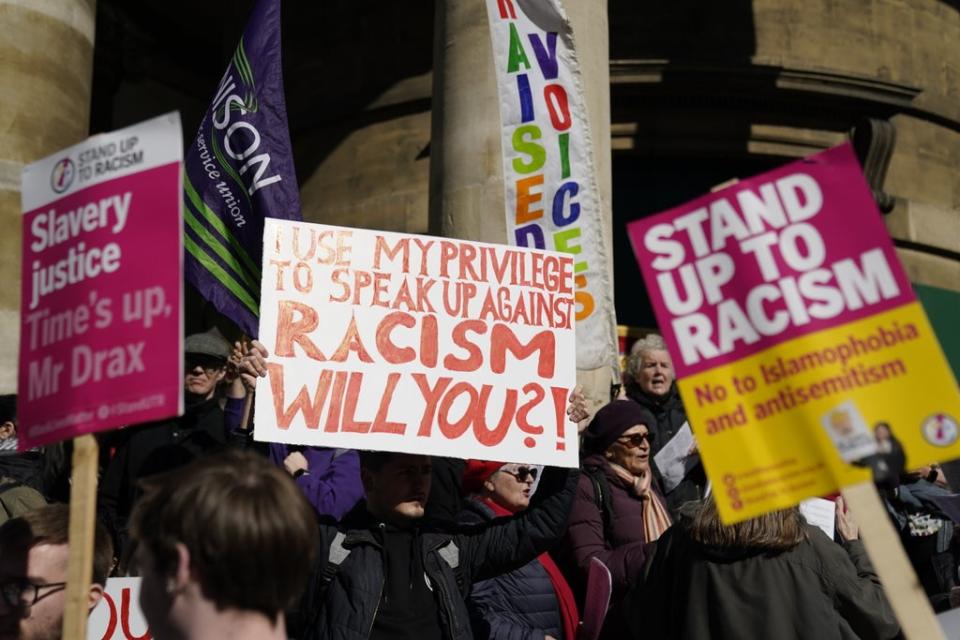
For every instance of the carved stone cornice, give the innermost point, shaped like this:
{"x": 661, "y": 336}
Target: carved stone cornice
{"x": 706, "y": 83}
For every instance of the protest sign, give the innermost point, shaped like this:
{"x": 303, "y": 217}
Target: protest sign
{"x": 794, "y": 333}
{"x": 552, "y": 199}
{"x": 398, "y": 342}
{"x": 101, "y": 326}
{"x": 118, "y": 615}
{"x": 820, "y": 513}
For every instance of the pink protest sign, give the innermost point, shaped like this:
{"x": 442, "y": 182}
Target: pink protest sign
{"x": 799, "y": 346}
{"x": 788, "y": 253}
{"x": 101, "y": 323}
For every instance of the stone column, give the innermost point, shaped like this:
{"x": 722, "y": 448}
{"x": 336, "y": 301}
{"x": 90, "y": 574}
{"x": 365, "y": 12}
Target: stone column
{"x": 466, "y": 174}
{"x": 46, "y": 69}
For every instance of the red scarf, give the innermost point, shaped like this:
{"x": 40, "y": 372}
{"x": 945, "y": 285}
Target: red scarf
{"x": 568, "y": 605}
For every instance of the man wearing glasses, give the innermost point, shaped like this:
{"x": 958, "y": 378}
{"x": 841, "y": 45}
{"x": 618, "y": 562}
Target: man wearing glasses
{"x": 33, "y": 573}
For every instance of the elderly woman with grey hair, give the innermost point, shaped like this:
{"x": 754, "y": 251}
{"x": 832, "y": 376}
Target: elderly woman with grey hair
{"x": 649, "y": 381}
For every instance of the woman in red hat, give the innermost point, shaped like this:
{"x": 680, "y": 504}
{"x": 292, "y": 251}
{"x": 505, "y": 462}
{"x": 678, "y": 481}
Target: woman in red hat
{"x": 533, "y": 602}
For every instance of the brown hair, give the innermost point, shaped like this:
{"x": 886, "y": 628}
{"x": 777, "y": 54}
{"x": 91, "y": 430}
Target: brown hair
{"x": 250, "y": 532}
{"x": 51, "y": 525}
{"x": 777, "y": 531}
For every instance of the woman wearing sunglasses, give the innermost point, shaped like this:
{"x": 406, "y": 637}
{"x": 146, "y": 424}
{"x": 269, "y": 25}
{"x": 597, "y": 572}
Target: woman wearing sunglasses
{"x": 617, "y": 509}
{"x": 533, "y": 602}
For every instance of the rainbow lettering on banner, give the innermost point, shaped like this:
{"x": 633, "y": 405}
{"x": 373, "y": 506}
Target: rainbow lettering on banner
{"x": 795, "y": 333}
{"x": 551, "y": 194}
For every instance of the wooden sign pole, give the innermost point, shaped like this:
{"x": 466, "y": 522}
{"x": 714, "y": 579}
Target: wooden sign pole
{"x": 83, "y": 513}
{"x": 900, "y": 583}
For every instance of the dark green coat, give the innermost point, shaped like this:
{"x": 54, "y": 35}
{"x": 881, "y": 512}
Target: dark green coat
{"x": 817, "y": 590}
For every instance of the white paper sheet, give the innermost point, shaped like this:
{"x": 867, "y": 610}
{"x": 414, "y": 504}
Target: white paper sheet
{"x": 820, "y": 513}
{"x": 672, "y": 460}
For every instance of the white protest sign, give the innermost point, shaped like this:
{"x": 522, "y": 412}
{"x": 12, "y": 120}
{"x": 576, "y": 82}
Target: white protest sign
{"x": 397, "y": 342}
{"x": 675, "y": 459}
{"x": 118, "y": 615}
{"x": 820, "y": 513}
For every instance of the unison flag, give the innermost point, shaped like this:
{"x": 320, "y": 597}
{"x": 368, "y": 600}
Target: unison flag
{"x": 238, "y": 171}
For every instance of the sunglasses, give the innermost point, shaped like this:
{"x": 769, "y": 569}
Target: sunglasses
{"x": 205, "y": 362}
{"x": 635, "y": 440}
{"x": 522, "y": 473}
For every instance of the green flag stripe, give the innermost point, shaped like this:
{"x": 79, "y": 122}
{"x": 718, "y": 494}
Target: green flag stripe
{"x": 243, "y": 65}
{"x": 214, "y": 220}
{"x": 222, "y": 276}
{"x": 208, "y": 239}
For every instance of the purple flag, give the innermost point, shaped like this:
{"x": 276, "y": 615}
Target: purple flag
{"x": 238, "y": 171}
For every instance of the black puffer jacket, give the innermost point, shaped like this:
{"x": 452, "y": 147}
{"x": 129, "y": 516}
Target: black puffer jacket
{"x": 520, "y": 605}
{"x": 152, "y": 448}
{"x": 345, "y": 609}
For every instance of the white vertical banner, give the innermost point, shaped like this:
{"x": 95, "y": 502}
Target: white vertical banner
{"x": 552, "y": 200}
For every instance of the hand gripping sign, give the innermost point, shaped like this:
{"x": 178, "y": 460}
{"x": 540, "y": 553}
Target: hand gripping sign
{"x": 397, "y": 342}
{"x": 802, "y": 355}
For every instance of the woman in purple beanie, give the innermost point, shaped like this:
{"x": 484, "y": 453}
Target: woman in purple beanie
{"x": 617, "y": 509}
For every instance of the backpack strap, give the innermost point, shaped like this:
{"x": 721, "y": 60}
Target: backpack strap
{"x": 603, "y": 498}
{"x": 314, "y": 598}
{"x": 336, "y": 556}
{"x": 450, "y": 553}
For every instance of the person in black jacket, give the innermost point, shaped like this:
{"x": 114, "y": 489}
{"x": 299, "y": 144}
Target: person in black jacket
{"x": 386, "y": 573}
{"x": 154, "y": 447}
{"x": 649, "y": 381}
{"x": 533, "y": 602}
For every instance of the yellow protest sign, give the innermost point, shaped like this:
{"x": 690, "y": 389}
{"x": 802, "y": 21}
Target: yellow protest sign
{"x": 802, "y": 355}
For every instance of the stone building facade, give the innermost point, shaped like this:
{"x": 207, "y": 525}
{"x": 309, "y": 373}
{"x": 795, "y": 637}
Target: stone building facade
{"x": 697, "y": 93}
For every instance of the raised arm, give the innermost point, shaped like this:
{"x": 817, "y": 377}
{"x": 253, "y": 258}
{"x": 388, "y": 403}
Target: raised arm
{"x": 508, "y": 543}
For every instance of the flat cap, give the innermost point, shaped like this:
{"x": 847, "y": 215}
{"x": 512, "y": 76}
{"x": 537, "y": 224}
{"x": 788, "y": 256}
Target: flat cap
{"x": 210, "y": 343}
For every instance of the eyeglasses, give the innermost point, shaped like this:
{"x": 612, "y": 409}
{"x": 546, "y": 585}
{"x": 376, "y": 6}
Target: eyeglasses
{"x": 635, "y": 440}
{"x": 22, "y": 593}
{"x": 522, "y": 473}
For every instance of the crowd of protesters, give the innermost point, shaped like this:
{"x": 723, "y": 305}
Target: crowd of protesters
{"x": 239, "y": 539}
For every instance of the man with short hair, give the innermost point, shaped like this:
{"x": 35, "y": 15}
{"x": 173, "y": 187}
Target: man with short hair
{"x": 33, "y": 572}
{"x": 154, "y": 447}
{"x": 385, "y": 572}
{"x": 224, "y": 546}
